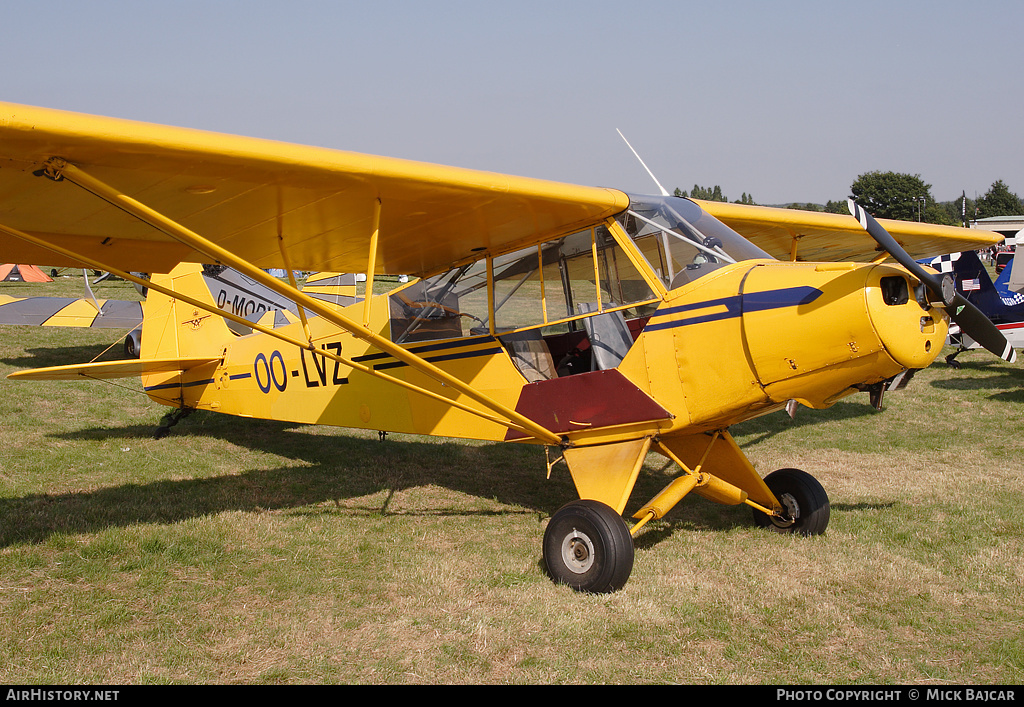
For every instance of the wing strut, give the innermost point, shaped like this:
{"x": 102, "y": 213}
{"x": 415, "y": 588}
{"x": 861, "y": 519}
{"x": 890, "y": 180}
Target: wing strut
{"x": 371, "y": 263}
{"x": 57, "y": 168}
{"x": 277, "y": 334}
{"x": 295, "y": 286}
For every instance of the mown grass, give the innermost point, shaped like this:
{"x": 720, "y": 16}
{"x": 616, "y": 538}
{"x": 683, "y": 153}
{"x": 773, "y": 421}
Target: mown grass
{"x": 247, "y": 551}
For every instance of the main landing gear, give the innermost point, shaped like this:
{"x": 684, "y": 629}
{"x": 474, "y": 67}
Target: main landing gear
{"x": 588, "y": 546}
{"x": 805, "y": 507}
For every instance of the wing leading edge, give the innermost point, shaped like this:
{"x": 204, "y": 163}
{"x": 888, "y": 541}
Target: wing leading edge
{"x": 815, "y": 236}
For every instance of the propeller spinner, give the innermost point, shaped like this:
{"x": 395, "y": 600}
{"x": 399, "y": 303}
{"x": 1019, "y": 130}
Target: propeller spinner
{"x": 969, "y": 318}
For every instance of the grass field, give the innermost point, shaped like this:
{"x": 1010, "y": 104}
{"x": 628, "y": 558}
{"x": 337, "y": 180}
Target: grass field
{"x": 246, "y": 551}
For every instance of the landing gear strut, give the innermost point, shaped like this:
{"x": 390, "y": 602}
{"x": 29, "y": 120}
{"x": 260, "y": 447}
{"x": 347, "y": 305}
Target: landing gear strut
{"x": 170, "y": 420}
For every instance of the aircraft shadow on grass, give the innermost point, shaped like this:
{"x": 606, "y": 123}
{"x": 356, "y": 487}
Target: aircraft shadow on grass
{"x": 1007, "y": 386}
{"x": 328, "y": 469}
{"x": 58, "y": 356}
{"x": 757, "y": 430}
{"x": 338, "y": 467}
{"x": 332, "y": 469}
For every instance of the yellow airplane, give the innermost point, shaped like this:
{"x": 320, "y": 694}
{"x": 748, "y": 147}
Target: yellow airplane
{"x": 601, "y": 325}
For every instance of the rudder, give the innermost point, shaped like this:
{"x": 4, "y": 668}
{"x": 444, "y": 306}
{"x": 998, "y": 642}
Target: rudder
{"x": 172, "y": 328}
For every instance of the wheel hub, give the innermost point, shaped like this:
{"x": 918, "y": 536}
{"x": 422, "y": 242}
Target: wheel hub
{"x": 790, "y": 511}
{"x": 577, "y": 552}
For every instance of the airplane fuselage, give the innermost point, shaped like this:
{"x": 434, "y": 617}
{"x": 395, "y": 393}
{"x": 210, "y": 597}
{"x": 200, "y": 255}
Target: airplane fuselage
{"x": 733, "y": 344}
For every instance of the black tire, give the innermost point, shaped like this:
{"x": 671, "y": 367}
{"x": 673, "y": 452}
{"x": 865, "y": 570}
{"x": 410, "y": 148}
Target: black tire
{"x": 803, "y": 499}
{"x": 588, "y": 547}
{"x": 132, "y": 344}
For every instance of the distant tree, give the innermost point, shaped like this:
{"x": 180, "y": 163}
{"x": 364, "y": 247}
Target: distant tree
{"x": 837, "y": 207}
{"x": 893, "y": 195}
{"x": 804, "y": 207}
{"x": 957, "y": 211}
{"x": 938, "y": 213}
{"x": 706, "y": 193}
{"x": 999, "y": 201}
{"x": 712, "y": 194}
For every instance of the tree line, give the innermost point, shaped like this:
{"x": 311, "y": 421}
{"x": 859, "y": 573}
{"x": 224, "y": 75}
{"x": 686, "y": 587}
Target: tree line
{"x": 905, "y": 197}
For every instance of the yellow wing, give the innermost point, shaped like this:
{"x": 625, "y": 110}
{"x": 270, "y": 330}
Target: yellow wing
{"x": 243, "y": 193}
{"x": 814, "y": 236}
{"x": 259, "y": 199}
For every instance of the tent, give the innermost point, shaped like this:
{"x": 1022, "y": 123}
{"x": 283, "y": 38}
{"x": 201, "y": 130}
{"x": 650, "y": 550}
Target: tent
{"x": 22, "y": 273}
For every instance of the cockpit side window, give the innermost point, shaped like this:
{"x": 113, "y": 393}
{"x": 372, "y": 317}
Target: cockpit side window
{"x": 445, "y": 306}
{"x": 582, "y": 273}
{"x": 548, "y": 286}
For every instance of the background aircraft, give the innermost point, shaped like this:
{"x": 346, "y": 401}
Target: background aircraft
{"x": 686, "y": 326}
{"x": 231, "y": 291}
{"x": 1016, "y": 282}
{"x": 10, "y": 272}
{"x": 87, "y": 311}
{"x": 994, "y": 299}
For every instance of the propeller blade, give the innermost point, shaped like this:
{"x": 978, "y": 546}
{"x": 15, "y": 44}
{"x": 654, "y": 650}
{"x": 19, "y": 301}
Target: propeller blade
{"x": 943, "y": 288}
{"x": 972, "y": 321}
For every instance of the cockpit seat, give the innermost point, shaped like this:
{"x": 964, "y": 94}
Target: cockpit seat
{"x": 530, "y": 354}
{"x": 610, "y": 338}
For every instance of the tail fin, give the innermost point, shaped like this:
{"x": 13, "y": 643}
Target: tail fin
{"x": 338, "y": 289}
{"x": 1008, "y": 296}
{"x": 172, "y": 328}
{"x": 1016, "y": 268}
{"x": 972, "y": 281}
{"x": 178, "y": 340}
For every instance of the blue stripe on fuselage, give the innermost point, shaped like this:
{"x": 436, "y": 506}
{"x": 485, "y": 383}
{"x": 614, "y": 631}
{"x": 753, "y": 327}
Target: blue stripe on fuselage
{"x": 734, "y": 306}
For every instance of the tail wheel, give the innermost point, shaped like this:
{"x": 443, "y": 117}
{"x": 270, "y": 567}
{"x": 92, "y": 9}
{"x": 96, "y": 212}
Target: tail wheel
{"x": 588, "y": 547}
{"x": 804, "y": 502}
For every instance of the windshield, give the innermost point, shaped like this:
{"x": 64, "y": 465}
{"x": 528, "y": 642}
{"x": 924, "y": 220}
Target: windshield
{"x": 681, "y": 241}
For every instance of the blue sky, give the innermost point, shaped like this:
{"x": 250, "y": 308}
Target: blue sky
{"x": 785, "y": 100}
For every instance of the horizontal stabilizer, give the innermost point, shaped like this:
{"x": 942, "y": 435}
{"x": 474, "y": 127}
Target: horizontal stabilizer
{"x": 112, "y": 369}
